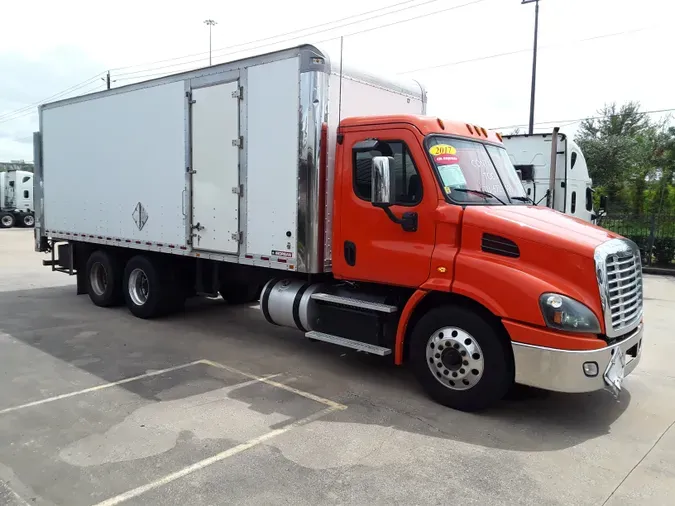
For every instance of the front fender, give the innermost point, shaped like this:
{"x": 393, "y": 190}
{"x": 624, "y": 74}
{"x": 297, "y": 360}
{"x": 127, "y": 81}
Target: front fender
{"x": 510, "y": 288}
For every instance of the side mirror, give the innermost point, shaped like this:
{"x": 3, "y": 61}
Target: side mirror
{"x": 383, "y": 190}
{"x": 603, "y": 202}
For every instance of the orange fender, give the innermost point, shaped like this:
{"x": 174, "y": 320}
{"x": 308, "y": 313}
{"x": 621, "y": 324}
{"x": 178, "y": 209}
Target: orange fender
{"x": 403, "y": 323}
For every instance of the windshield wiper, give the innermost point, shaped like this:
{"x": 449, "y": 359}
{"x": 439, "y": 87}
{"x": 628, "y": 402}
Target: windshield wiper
{"x": 479, "y": 192}
{"x": 523, "y": 199}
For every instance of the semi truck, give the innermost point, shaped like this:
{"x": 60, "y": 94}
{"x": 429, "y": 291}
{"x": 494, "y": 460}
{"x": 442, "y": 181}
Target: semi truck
{"x": 328, "y": 195}
{"x": 16, "y": 199}
{"x": 559, "y": 181}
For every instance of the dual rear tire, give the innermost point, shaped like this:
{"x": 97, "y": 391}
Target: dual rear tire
{"x": 150, "y": 288}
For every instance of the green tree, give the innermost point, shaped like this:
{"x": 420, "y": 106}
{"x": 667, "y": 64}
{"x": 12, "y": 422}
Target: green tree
{"x": 620, "y": 147}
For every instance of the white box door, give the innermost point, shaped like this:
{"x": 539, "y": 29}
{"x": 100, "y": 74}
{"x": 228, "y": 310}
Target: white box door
{"x": 215, "y": 160}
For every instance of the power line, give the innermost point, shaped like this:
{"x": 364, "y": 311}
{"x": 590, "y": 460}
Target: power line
{"x": 30, "y": 110}
{"x": 328, "y": 39}
{"x": 578, "y": 120}
{"x": 57, "y": 95}
{"x": 279, "y": 36}
{"x": 527, "y": 50}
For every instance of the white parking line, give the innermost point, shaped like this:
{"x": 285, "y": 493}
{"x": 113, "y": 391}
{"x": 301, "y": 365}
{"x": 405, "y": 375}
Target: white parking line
{"x": 100, "y": 387}
{"x": 302, "y": 393}
{"x": 118, "y": 499}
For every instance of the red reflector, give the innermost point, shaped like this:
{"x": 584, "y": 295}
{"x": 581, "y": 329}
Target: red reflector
{"x": 248, "y": 256}
{"x": 281, "y": 260}
{"x": 264, "y": 258}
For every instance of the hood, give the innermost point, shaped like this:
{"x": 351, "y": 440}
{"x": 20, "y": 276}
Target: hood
{"x": 546, "y": 226}
{"x": 555, "y": 253}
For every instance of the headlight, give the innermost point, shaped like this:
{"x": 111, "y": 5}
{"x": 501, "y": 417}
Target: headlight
{"x": 562, "y": 313}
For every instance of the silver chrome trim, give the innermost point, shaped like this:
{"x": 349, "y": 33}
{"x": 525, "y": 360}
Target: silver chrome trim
{"x": 38, "y": 187}
{"x": 618, "y": 269}
{"x": 313, "y": 113}
{"x": 355, "y": 303}
{"x": 562, "y": 370}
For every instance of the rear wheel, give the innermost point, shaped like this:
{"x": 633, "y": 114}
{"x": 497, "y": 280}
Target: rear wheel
{"x": 28, "y": 220}
{"x": 6, "y": 220}
{"x": 460, "y": 359}
{"x": 150, "y": 288}
{"x": 104, "y": 279}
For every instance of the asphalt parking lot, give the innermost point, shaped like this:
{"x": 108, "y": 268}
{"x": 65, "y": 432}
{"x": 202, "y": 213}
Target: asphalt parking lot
{"x": 215, "y": 406}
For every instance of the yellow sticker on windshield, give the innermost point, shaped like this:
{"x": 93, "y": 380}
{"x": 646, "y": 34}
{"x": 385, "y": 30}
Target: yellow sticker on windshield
{"x": 442, "y": 149}
{"x": 447, "y": 189}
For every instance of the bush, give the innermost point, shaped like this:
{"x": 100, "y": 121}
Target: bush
{"x": 664, "y": 250}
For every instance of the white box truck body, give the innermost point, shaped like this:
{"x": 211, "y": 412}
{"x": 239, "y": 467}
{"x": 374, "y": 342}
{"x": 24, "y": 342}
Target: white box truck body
{"x": 217, "y": 163}
{"x": 572, "y": 185}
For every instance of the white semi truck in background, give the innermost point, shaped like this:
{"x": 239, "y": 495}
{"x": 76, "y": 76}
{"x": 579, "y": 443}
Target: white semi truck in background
{"x": 16, "y": 199}
{"x": 561, "y": 182}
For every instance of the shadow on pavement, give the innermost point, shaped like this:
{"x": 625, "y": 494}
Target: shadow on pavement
{"x": 112, "y": 345}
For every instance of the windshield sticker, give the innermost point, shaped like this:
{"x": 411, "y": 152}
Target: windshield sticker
{"x": 446, "y": 160}
{"x": 442, "y": 149}
{"x": 452, "y": 177}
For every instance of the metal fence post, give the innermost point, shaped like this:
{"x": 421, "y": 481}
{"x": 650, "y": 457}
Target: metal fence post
{"x": 650, "y": 244}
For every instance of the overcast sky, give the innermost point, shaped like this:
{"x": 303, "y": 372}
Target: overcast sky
{"x": 47, "y": 47}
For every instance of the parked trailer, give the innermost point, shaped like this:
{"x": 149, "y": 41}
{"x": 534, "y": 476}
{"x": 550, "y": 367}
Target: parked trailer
{"x": 351, "y": 216}
{"x": 565, "y": 185}
{"x": 16, "y": 199}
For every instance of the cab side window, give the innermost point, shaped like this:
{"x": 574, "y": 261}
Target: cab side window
{"x": 408, "y": 182}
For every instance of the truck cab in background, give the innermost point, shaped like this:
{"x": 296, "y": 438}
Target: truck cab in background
{"x": 16, "y": 199}
{"x": 567, "y": 187}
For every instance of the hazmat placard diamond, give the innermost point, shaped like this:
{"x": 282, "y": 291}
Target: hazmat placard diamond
{"x": 140, "y": 216}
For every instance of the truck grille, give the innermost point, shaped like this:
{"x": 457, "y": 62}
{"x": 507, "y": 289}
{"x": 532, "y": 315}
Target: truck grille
{"x": 624, "y": 290}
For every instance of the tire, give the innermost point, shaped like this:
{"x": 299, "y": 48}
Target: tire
{"x": 7, "y": 220}
{"x": 28, "y": 221}
{"x": 104, "y": 279}
{"x": 240, "y": 293}
{"x": 149, "y": 288}
{"x": 460, "y": 359}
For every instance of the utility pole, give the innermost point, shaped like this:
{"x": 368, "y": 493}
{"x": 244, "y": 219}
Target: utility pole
{"x": 211, "y": 23}
{"x": 534, "y": 61}
{"x": 107, "y": 80}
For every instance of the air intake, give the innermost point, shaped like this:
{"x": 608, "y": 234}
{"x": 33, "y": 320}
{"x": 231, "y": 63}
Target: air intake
{"x": 499, "y": 246}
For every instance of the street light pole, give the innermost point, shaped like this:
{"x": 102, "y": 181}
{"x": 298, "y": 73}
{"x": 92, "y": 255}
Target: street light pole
{"x": 534, "y": 61}
{"x": 210, "y": 23}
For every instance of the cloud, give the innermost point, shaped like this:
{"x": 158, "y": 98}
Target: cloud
{"x": 28, "y": 80}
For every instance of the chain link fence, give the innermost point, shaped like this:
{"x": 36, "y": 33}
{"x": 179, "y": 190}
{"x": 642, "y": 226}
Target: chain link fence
{"x": 654, "y": 235}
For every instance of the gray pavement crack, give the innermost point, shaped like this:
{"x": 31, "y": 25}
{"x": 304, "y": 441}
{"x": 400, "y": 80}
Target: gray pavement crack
{"x": 638, "y": 463}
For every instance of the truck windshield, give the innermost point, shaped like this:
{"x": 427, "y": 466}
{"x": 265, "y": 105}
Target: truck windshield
{"x": 470, "y": 165}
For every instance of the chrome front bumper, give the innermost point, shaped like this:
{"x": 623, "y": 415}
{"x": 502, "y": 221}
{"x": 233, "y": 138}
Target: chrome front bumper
{"x": 563, "y": 370}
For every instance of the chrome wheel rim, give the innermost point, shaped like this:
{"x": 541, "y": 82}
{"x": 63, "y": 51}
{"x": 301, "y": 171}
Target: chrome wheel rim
{"x": 29, "y": 221}
{"x": 455, "y": 358}
{"x": 99, "y": 279}
{"x": 7, "y": 221}
{"x": 139, "y": 287}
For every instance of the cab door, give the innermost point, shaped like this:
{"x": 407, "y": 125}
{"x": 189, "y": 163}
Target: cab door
{"x": 369, "y": 246}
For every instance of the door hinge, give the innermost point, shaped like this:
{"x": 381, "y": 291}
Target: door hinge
{"x": 239, "y": 142}
{"x": 238, "y": 190}
{"x": 238, "y": 93}
{"x": 190, "y": 171}
{"x": 238, "y": 236}
{"x": 188, "y": 95}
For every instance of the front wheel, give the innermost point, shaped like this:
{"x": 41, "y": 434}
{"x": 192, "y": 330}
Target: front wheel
{"x": 460, "y": 359}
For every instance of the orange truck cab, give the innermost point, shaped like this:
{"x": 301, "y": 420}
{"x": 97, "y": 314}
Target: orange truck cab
{"x": 439, "y": 257}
